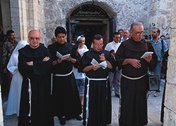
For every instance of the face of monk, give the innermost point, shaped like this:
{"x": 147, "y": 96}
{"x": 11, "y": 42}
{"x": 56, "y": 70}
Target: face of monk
{"x": 61, "y": 38}
{"x": 137, "y": 32}
{"x": 98, "y": 45}
{"x": 34, "y": 38}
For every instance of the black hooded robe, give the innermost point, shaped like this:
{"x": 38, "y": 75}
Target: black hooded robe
{"x": 97, "y": 97}
{"x": 38, "y": 113}
{"x": 65, "y": 94}
{"x": 133, "y": 111}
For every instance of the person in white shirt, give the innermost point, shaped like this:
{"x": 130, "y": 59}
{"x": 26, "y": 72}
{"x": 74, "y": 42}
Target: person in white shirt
{"x": 80, "y": 48}
{"x": 114, "y": 77}
{"x": 125, "y": 36}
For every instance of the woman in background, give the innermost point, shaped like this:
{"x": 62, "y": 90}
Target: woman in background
{"x": 79, "y": 49}
{"x": 15, "y": 86}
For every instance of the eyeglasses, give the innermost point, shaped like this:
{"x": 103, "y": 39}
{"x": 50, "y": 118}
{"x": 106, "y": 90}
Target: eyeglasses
{"x": 34, "y": 38}
{"x": 139, "y": 33}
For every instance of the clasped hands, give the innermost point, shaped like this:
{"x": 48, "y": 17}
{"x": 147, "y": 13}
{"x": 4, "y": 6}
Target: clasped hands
{"x": 31, "y": 63}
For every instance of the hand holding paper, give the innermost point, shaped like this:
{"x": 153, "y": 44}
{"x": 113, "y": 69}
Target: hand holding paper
{"x": 146, "y": 54}
{"x": 102, "y": 64}
{"x": 62, "y": 57}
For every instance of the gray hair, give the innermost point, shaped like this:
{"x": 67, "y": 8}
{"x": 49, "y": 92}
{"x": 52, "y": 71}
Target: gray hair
{"x": 135, "y": 24}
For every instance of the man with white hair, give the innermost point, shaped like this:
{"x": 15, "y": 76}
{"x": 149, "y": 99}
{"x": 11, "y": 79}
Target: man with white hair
{"x": 34, "y": 65}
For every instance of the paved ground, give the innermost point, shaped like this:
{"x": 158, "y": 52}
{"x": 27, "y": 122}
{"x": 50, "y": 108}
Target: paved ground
{"x": 154, "y": 107}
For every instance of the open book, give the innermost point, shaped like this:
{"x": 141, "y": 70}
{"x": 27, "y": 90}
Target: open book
{"x": 146, "y": 54}
{"x": 62, "y": 57}
{"x": 102, "y": 64}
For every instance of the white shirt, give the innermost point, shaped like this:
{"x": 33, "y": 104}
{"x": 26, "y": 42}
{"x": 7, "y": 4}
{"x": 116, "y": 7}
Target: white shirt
{"x": 82, "y": 50}
{"x": 112, "y": 46}
{"x": 79, "y": 75}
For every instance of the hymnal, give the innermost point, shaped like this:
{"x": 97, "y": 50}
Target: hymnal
{"x": 102, "y": 64}
{"x": 62, "y": 57}
{"x": 146, "y": 54}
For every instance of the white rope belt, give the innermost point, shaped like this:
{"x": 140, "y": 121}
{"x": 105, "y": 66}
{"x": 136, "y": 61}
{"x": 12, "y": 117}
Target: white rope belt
{"x": 96, "y": 79}
{"x": 133, "y": 78}
{"x": 30, "y": 96}
{"x": 64, "y": 75}
{"x": 51, "y": 91}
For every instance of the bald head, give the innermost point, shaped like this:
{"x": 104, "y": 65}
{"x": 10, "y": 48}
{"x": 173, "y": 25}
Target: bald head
{"x": 34, "y": 31}
{"x": 34, "y": 37}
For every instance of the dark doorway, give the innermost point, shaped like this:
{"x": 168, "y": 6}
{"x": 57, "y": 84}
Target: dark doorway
{"x": 89, "y": 20}
{"x": 89, "y": 31}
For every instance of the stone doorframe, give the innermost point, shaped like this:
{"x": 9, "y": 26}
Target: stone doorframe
{"x": 91, "y": 14}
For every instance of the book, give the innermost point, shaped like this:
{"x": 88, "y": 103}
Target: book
{"x": 62, "y": 57}
{"x": 146, "y": 54}
{"x": 102, "y": 64}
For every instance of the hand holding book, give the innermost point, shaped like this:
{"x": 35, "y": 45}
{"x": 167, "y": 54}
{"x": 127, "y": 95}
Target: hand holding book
{"x": 146, "y": 54}
{"x": 102, "y": 64}
{"x": 62, "y": 57}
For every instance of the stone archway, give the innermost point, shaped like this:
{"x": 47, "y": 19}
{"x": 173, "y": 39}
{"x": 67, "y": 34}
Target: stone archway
{"x": 88, "y": 20}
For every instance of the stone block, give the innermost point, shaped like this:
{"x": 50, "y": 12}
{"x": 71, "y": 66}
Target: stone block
{"x": 171, "y": 67}
{"x": 170, "y": 94}
{"x": 169, "y": 118}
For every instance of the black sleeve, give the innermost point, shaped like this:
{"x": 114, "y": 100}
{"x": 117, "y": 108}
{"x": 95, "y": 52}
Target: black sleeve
{"x": 112, "y": 61}
{"x": 42, "y": 67}
{"x": 84, "y": 61}
{"x": 75, "y": 55}
{"x": 120, "y": 56}
{"x": 24, "y": 69}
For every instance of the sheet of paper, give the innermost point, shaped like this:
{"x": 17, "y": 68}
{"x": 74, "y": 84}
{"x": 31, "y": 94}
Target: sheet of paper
{"x": 146, "y": 54}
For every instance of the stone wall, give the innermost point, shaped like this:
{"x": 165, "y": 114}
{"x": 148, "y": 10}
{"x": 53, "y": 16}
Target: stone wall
{"x": 151, "y": 12}
{"x": 48, "y": 14}
{"x": 57, "y": 11}
{"x": 160, "y": 17}
{"x": 170, "y": 101}
{"x": 15, "y": 16}
{"x": 26, "y": 15}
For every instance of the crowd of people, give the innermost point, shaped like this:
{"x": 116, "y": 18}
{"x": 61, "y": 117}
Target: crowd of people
{"x": 71, "y": 81}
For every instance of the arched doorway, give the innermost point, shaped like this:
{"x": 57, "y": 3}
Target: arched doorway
{"x": 88, "y": 20}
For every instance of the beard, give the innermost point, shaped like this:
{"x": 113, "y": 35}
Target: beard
{"x": 154, "y": 36}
